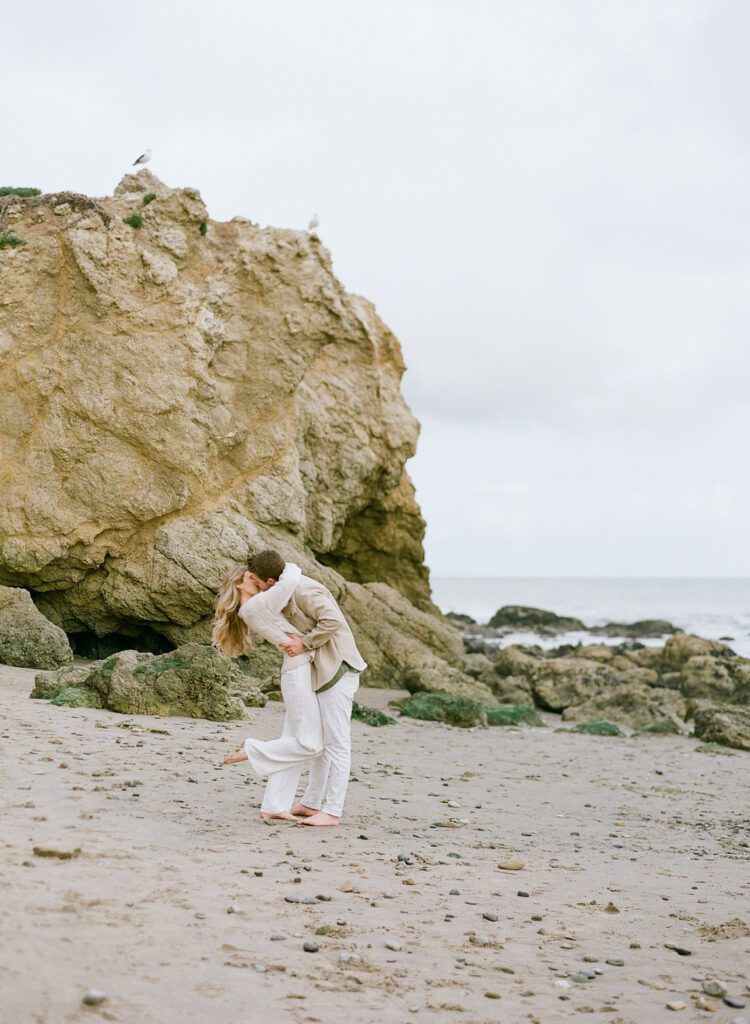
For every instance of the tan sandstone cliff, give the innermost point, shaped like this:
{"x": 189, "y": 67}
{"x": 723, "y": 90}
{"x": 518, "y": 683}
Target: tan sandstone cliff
{"x": 177, "y": 393}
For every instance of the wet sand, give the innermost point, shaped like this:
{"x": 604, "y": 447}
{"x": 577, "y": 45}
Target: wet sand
{"x": 176, "y": 905}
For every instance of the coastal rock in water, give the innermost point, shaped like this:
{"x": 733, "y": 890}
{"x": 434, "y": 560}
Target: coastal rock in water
{"x": 679, "y": 649}
{"x": 642, "y": 628}
{"x": 177, "y": 395}
{"x": 27, "y": 638}
{"x": 725, "y": 724}
{"x": 636, "y": 705}
{"x": 521, "y": 617}
{"x": 193, "y": 680}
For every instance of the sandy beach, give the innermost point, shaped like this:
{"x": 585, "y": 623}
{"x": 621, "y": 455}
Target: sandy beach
{"x": 178, "y": 904}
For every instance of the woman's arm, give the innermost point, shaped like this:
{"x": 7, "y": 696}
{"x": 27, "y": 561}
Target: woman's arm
{"x": 277, "y": 596}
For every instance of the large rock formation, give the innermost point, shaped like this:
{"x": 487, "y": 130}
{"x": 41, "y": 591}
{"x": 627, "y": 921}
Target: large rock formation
{"x": 177, "y": 392}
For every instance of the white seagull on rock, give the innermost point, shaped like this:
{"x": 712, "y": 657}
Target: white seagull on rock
{"x": 143, "y": 158}
{"x": 313, "y": 222}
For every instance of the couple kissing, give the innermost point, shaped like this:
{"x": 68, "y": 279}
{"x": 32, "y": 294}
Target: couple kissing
{"x": 319, "y": 677}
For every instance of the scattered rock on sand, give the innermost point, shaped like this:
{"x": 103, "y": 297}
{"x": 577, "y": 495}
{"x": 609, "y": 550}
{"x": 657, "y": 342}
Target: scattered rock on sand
{"x": 512, "y": 864}
{"x": 27, "y": 638}
{"x": 94, "y": 997}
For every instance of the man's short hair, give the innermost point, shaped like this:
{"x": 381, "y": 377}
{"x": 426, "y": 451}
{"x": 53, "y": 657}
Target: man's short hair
{"x": 266, "y": 565}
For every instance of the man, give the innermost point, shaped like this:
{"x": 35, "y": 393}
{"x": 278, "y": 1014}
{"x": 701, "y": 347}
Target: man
{"x": 336, "y": 668}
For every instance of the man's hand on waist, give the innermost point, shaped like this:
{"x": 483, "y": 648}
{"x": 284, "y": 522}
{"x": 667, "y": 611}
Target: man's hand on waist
{"x": 293, "y": 646}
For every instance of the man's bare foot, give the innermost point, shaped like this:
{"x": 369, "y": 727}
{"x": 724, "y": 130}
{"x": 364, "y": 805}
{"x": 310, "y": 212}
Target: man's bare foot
{"x": 236, "y": 757}
{"x": 285, "y": 815}
{"x": 304, "y": 812}
{"x": 320, "y": 819}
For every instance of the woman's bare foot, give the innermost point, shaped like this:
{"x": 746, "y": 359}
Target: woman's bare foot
{"x": 285, "y": 815}
{"x": 236, "y": 757}
{"x": 320, "y": 819}
{"x": 304, "y": 812}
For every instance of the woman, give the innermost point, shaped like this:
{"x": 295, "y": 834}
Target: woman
{"x": 243, "y": 606}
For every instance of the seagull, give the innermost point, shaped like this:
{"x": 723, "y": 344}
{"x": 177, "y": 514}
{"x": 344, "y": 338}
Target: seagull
{"x": 313, "y": 223}
{"x": 143, "y": 158}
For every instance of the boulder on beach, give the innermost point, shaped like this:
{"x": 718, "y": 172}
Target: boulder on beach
{"x": 521, "y": 617}
{"x": 726, "y": 724}
{"x": 27, "y": 638}
{"x": 680, "y": 648}
{"x": 447, "y": 681}
{"x": 185, "y": 392}
{"x": 635, "y": 705}
{"x": 194, "y": 680}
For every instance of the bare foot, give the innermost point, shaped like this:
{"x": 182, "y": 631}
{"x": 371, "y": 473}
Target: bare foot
{"x": 285, "y": 815}
{"x": 236, "y": 757}
{"x": 320, "y": 819}
{"x": 304, "y": 812}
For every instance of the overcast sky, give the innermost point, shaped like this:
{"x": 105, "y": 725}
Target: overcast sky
{"x": 547, "y": 200}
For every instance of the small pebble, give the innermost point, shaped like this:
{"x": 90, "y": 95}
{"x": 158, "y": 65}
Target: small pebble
{"x": 310, "y": 947}
{"x": 260, "y": 968}
{"x": 615, "y": 962}
{"x": 589, "y": 959}
{"x": 714, "y": 988}
{"x": 521, "y": 893}
{"x": 291, "y": 899}
{"x": 454, "y": 892}
{"x": 278, "y": 938}
{"x": 191, "y": 778}
{"x": 736, "y": 1004}
{"x": 93, "y": 997}
{"x": 395, "y": 946}
{"x": 492, "y": 995}
{"x": 512, "y": 864}
{"x": 488, "y": 915}
{"x": 579, "y": 977}
{"x": 323, "y": 899}
{"x": 676, "y": 1005}
{"x": 233, "y": 909}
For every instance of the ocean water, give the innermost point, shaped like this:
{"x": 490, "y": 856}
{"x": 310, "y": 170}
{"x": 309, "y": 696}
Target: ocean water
{"x": 711, "y": 608}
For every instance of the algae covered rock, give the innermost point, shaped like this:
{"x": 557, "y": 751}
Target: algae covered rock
{"x": 442, "y": 707}
{"x": 512, "y": 714}
{"x": 728, "y": 725}
{"x": 598, "y": 727}
{"x": 370, "y": 716}
{"x": 559, "y": 683}
{"x": 194, "y": 680}
{"x": 704, "y": 676}
{"x": 27, "y": 638}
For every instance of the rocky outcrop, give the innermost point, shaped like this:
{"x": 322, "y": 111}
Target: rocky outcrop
{"x": 654, "y": 689}
{"x": 725, "y": 724}
{"x": 193, "y": 680}
{"x": 521, "y": 617}
{"x": 27, "y": 638}
{"x": 177, "y": 392}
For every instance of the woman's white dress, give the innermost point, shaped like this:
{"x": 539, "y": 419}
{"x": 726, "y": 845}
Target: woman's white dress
{"x": 301, "y": 740}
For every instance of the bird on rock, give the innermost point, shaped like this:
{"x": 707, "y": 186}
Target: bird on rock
{"x": 143, "y": 158}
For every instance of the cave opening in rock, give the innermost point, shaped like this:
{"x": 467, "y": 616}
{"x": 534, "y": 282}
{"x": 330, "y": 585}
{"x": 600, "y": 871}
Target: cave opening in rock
{"x": 86, "y": 644}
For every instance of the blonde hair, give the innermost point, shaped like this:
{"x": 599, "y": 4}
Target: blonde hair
{"x": 229, "y": 632}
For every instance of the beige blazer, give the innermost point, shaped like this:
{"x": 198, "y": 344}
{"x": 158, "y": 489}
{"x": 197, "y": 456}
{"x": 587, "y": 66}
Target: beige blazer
{"x": 312, "y": 609}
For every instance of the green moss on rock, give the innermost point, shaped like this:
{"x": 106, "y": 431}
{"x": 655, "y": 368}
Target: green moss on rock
{"x": 598, "y": 727}
{"x": 663, "y": 727}
{"x": 441, "y": 707}
{"x": 76, "y": 697}
{"x": 511, "y": 714}
{"x": 370, "y": 716}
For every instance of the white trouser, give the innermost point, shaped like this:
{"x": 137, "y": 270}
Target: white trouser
{"x": 329, "y": 773}
{"x": 301, "y": 740}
